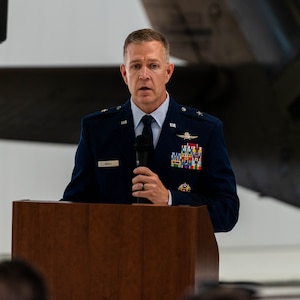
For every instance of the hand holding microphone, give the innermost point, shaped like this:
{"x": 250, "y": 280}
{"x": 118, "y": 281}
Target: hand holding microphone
{"x": 146, "y": 185}
{"x": 142, "y": 148}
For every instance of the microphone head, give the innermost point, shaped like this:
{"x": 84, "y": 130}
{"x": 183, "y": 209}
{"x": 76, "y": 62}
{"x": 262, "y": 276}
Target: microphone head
{"x": 142, "y": 143}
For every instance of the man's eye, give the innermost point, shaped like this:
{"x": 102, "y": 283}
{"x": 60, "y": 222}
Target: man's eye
{"x": 135, "y": 67}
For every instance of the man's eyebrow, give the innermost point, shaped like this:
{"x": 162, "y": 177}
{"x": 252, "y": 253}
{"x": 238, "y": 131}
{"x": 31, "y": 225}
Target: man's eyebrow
{"x": 147, "y": 60}
{"x": 135, "y": 61}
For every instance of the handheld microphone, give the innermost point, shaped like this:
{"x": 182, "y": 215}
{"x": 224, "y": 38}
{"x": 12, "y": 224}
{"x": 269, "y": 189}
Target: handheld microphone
{"x": 142, "y": 148}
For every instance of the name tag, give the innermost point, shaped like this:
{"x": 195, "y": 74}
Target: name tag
{"x": 108, "y": 163}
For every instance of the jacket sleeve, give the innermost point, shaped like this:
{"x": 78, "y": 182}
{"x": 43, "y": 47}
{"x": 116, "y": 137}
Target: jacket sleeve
{"x": 82, "y": 187}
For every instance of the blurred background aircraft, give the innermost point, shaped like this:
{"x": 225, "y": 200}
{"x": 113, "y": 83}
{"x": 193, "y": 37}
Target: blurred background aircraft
{"x": 238, "y": 60}
{"x": 241, "y": 64}
{"x": 252, "y": 48}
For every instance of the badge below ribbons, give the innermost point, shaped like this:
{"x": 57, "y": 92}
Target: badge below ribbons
{"x": 190, "y": 157}
{"x": 184, "y": 187}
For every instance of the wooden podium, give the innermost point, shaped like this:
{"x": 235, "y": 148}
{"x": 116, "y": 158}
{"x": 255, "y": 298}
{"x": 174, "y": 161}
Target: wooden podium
{"x": 121, "y": 252}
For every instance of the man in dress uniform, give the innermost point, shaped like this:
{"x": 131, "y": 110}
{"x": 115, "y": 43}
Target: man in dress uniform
{"x": 188, "y": 162}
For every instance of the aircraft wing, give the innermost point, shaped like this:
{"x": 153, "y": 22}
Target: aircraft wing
{"x": 46, "y": 104}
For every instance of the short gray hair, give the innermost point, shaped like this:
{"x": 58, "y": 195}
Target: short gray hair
{"x": 146, "y": 35}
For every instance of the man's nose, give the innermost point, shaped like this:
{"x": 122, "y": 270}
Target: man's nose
{"x": 144, "y": 73}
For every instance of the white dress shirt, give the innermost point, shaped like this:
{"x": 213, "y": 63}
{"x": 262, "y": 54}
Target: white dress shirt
{"x": 159, "y": 116}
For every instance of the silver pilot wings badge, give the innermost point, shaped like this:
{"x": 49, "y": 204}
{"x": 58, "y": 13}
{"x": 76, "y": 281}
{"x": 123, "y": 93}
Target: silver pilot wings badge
{"x": 187, "y": 136}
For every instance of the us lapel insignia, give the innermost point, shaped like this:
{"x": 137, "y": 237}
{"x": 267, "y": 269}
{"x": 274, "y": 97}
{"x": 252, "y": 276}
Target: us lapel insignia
{"x": 187, "y": 136}
{"x": 184, "y": 187}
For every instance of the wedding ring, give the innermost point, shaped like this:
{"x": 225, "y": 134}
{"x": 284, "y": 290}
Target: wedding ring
{"x": 143, "y": 186}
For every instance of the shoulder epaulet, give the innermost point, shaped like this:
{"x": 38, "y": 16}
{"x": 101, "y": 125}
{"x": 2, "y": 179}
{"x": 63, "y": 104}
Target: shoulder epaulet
{"x": 103, "y": 112}
{"x": 196, "y": 113}
{"x": 193, "y": 112}
{"x": 111, "y": 109}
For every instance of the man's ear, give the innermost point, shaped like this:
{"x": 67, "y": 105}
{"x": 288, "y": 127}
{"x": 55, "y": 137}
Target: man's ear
{"x": 123, "y": 73}
{"x": 170, "y": 69}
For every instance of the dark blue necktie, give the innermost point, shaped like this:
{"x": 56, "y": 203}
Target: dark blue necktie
{"x": 147, "y": 130}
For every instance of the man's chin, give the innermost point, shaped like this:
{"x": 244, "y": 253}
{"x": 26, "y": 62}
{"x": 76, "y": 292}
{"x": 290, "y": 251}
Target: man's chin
{"x": 145, "y": 97}
{"x": 146, "y": 104}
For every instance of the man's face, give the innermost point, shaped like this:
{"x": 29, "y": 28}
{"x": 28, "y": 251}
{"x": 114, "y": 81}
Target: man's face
{"x": 146, "y": 72}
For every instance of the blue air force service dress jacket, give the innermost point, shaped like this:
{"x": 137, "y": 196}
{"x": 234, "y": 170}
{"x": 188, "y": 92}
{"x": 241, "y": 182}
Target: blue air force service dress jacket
{"x": 190, "y": 159}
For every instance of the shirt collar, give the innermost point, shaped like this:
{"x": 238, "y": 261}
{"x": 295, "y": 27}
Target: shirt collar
{"x": 159, "y": 114}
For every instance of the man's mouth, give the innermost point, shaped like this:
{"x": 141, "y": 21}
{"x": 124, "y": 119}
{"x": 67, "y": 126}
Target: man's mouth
{"x": 144, "y": 88}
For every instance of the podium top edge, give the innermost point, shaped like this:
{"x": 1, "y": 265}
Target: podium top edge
{"x": 105, "y": 204}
